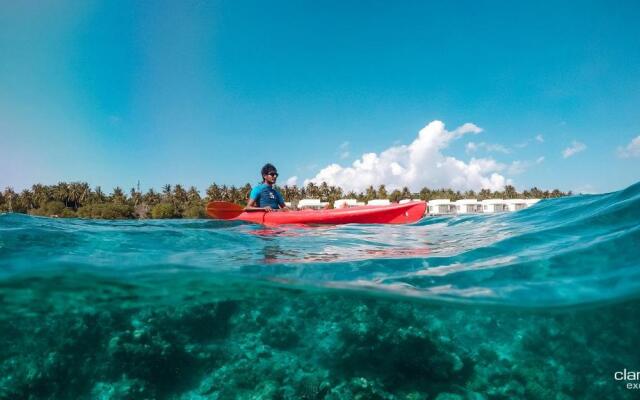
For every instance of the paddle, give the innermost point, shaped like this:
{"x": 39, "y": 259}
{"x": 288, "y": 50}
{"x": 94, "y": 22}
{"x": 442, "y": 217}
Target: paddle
{"x": 223, "y": 210}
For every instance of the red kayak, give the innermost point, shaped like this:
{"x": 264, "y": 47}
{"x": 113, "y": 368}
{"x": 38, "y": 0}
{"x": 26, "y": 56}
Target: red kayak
{"x": 391, "y": 214}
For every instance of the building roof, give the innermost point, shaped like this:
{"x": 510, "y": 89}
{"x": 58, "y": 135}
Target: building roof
{"x": 467, "y": 201}
{"x": 493, "y": 201}
{"x": 378, "y": 202}
{"x": 437, "y": 202}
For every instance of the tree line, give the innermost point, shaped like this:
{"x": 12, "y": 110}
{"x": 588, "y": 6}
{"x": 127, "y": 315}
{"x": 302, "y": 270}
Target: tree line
{"x": 78, "y": 199}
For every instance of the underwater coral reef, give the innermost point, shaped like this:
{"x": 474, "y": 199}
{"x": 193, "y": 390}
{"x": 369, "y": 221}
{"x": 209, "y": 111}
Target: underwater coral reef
{"x": 109, "y": 340}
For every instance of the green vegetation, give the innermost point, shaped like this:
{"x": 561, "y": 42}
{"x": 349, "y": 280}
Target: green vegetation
{"x": 163, "y": 210}
{"x": 77, "y": 199}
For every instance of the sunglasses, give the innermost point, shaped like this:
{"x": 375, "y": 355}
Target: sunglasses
{"x": 274, "y": 174}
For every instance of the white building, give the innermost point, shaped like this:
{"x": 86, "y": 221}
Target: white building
{"x": 379, "y": 202}
{"x": 441, "y": 207}
{"x": 531, "y": 202}
{"x": 494, "y": 205}
{"x": 516, "y": 204}
{"x": 344, "y": 203}
{"x": 404, "y": 201}
{"x": 314, "y": 204}
{"x": 468, "y": 206}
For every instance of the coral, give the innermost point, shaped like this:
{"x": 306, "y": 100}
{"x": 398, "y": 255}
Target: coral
{"x": 285, "y": 345}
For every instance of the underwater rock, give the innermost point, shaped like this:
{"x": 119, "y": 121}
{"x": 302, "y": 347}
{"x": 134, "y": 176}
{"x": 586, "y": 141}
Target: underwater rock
{"x": 399, "y": 355}
{"x": 360, "y": 388}
{"x": 123, "y": 389}
{"x": 280, "y": 334}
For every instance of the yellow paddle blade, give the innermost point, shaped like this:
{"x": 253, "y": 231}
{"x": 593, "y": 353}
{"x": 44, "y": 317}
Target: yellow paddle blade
{"x": 223, "y": 210}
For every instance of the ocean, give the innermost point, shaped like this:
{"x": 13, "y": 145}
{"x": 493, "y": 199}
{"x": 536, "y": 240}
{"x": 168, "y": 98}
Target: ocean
{"x": 537, "y": 304}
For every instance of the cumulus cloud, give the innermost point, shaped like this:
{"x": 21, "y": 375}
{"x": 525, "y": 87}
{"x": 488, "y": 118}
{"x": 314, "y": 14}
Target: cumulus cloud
{"x": 630, "y": 150}
{"x": 420, "y": 163}
{"x": 576, "y": 147}
{"x": 292, "y": 181}
{"x": 539, "y": 138}
{"x": 488, "y": 147}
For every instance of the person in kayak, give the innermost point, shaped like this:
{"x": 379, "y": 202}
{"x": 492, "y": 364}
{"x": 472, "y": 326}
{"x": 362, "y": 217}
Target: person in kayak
{"x": 265, "y": 197}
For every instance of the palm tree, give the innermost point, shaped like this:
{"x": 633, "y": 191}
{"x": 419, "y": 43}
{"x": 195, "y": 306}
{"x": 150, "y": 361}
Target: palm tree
{"x": 85, "y": 192}
{"x": 118, "y": 196}
{"x": 235, "y": 195}
{"x": 151, "y": 197}
{"x": 335, "y": 193}
{"x": 324, "y": 190}
{"x": 193, "y": 196}
{"x": 425, "y": 194}
{"x": 370, "y": 193}
{"x": 536, "y": 193}
{"x": 510, "y": 192}
{"x": 484, "y": 194}
{"x": 25, "y": 201}
{"x": 469, "y": 194}
{"x": 75, "y": 193}
{"x": 135, "y": 196}
{"x": 246, "y": 191}
{"x": 395, "y": 196}
{"x": 225, "y": 195}
{"x": 179, "y": 197}
{"x": 382, "y": 192}
{"x": 61, "y": 193}
{"x": 213, "y": 193}
{"x": 406, "y": 193}
{"x": 556, "y": 193}
{"x": 10, "y": 197}
{"x": 98, "y": 196}
{"x": 167, "y": 193}
{"x": 312, "y": 190}
{"x": 40, "y": 194}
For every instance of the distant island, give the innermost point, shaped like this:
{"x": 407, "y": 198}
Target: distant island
{"x": 78, "y": 200}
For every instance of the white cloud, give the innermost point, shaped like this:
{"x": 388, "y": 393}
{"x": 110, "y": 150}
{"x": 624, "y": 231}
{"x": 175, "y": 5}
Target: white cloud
{"x": 538, "y": 138}
{"x": 630, "y": 150}
{"x": 343, "y": 150}
{"x": 576, "y": 147}
{"x": 420, "y": 163}
{"x": 292, "y": 181}
{"x": 518, "y": 167}
{"x": 497, "y": 148}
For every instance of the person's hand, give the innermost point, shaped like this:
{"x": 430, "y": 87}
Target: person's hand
{"x": 268, "y": 208}
{"x": 285, "y": 209}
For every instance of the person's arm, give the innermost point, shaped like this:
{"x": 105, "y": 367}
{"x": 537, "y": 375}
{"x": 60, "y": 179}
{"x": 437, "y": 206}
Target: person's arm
{"x": 251, "y": 206}
{"x": 283, "y": 206}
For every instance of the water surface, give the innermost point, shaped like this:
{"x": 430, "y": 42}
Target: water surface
{"x": 541, "y": 303}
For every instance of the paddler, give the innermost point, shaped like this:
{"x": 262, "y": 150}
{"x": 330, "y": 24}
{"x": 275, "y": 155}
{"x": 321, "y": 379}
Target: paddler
{"x": 265, "y": 197}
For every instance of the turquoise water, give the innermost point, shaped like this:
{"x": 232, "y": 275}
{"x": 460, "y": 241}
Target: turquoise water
{"x": 537, "y": 304}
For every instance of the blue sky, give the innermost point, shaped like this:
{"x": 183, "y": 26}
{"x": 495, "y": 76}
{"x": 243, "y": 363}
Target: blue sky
{"x": 194, "y": 92}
